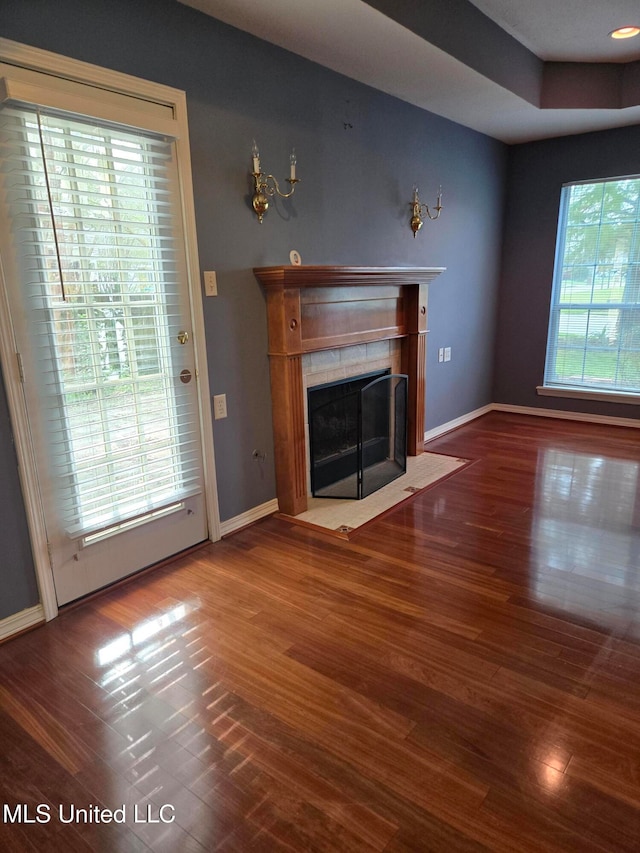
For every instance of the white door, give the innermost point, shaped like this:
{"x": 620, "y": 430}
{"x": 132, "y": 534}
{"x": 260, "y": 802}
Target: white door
{"x": 94, "y": 266}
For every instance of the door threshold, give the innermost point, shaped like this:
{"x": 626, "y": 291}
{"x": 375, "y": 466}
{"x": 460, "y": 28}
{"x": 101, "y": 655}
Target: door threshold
{"x": 91, "y": 596}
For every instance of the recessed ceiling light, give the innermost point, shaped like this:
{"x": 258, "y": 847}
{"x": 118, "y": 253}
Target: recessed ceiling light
{"x": 625, "y": 32}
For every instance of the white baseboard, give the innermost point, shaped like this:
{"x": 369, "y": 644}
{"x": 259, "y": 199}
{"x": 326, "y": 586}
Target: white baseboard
{"x": 568, "y": 416}
{"x": 530, "y": 410}
{"x": 268, "y": 508}
{"x": 21, "y": 621}
{"x": 457, "y": 422}
{"x": 248, "y": 517}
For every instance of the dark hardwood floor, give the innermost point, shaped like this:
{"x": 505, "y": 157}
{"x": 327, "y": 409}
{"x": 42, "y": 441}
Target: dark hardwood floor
{"x": 463, "y": 675}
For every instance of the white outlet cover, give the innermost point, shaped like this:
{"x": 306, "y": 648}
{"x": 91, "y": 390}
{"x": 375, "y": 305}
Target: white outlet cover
{"x": 219, "y": 406}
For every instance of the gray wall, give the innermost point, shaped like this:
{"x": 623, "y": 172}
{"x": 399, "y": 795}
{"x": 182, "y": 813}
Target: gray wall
{"x": 359, "y": 154}
{"x": 536, "y": 173}
{"x": 18, "y": 587}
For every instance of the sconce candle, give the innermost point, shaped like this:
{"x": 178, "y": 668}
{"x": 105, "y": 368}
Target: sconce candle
{"x": 266, "y": 186}
{"x": 256, "y": 158}
{"x": 419, "y": 210}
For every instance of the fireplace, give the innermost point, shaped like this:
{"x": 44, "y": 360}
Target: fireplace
{"x": 357, "y": 434}
{"x": 315, "y": 310}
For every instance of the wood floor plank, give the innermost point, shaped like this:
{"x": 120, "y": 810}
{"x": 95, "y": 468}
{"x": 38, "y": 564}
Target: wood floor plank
{"x": 462, "y": 675}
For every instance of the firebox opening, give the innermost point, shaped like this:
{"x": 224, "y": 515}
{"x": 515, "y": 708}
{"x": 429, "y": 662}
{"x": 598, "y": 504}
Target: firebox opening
{"x": 357, "y": 434}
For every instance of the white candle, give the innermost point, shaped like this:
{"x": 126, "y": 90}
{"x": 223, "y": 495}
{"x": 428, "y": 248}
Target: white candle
{"x": 256, "y": 157}
{"x": 293, "y": 160}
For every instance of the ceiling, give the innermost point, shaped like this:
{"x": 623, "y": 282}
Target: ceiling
{"x": 517, "y": 70}
{"x": 568, "y": 30}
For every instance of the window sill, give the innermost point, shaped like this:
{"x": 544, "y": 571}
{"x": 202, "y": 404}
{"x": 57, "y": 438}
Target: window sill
{"x": 586, "y": 394}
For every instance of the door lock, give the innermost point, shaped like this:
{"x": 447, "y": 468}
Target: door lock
{"x": 183, "y": 337}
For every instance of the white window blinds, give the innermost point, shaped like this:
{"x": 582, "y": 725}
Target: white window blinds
{"x": 98, "y": 253}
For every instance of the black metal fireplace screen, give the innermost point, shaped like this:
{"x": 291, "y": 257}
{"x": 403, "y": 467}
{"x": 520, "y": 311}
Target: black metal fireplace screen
{"x": 357, "y": 434}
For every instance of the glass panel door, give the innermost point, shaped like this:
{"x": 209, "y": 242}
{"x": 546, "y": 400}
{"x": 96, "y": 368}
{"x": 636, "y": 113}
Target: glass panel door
{"x": 96, "y": 273}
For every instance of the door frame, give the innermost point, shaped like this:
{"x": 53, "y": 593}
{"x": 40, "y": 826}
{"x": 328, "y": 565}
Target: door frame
{"x": 35, "y": 59}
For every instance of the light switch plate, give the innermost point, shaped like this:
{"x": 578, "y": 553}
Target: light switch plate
{"x": 210, "y": 283}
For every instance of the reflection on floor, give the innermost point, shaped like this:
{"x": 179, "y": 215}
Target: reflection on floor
{"x": 463, "y": 675}
{"x": 587, "y": 517}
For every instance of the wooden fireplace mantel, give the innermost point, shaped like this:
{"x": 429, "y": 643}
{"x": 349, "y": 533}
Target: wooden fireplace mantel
{"x": 311, "y": 308}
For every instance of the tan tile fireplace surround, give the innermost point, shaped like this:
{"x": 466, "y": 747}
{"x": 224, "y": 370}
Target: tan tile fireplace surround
{"x": 327, "y": 308}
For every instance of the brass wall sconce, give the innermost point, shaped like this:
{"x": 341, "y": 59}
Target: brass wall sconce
{"x": 266, "y": 186}
{"x": 421, "y": 210}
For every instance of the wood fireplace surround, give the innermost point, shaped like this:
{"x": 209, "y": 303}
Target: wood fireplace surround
{"x": 312, "y": 308}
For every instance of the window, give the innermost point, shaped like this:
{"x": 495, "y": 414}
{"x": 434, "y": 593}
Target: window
{"x": 100, "y": 318}
{"x": 98, "y": 250}
{"x": 594, "y": 326}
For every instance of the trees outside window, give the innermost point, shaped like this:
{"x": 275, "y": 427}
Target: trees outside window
{"x": 594, "y": 328}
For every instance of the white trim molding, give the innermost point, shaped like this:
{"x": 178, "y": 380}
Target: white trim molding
{"x": 28, "y": 618}
{"x": 436, "y": 432}
{"x": 26, "y": 56}
{"x": 248, "y": 517}
{"x": 568, "y": 416}
{"x": 26, "y": 460}
{"x": 587, "y": 394}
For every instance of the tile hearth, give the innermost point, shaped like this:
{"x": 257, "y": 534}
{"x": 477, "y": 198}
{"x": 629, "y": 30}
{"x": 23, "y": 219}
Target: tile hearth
{"x": 343, "y": 517}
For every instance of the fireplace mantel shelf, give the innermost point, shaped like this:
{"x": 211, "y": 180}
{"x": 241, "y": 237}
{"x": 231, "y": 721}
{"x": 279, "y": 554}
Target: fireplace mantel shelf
{"x": 312, "y": 308}
{"x": 341, "y": 276}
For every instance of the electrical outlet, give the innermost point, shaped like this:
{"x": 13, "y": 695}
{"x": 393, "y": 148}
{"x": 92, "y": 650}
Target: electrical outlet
{"x": 441, "y": 354}
{"x": 447, "y": 353}
{"x": 220, "y": 406}
{"x": 210, "y": 283}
